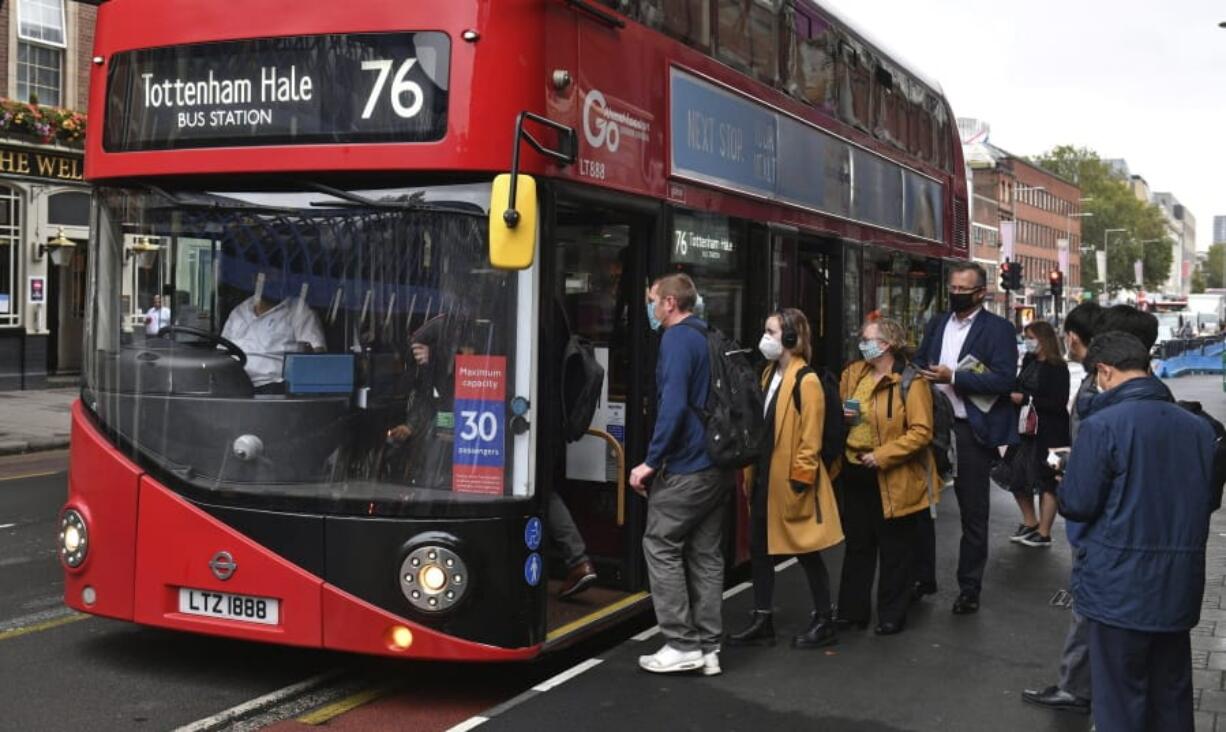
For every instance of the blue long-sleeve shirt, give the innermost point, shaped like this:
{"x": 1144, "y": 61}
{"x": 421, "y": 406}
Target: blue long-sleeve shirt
{"x": 683, "y": 377}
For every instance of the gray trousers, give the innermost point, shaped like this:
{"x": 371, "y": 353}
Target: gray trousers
{"x": 1075, "y": 658}
{"x": 683, "y": 548}
{"x": 564, "y": 533}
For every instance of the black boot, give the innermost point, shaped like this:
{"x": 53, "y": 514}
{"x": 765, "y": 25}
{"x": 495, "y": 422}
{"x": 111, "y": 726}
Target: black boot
{"x": 761, "y": 631}
{"x": 821, "y": 632}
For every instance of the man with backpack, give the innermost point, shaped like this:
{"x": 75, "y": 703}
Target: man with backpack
{"x": 683, "y": 541}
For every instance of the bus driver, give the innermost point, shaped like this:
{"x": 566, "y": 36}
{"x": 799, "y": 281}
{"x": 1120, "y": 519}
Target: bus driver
{"x": 267, "y": 325}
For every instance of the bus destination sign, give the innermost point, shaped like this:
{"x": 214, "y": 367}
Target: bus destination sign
{"x": 374, "y": 87}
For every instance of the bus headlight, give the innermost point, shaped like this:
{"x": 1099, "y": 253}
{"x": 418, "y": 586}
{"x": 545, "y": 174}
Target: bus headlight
{"x": 74, "y": 538}
{"x": 433, "y": 578}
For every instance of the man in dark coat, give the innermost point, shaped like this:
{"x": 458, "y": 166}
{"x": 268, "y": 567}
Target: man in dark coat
{"x": 971, "y": 355}
{"x": 1139, "y": 480}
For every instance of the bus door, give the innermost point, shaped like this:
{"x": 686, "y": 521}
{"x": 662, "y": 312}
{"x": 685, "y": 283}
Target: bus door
{"x": 807, "y": 275}
{"x": 595, "y": 276}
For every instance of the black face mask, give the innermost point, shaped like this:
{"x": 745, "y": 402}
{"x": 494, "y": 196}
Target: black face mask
{"x": 961, "y": 301}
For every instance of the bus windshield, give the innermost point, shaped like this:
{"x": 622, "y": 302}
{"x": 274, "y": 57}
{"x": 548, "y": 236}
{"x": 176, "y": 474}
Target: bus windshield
{"x": 347, "y": 347}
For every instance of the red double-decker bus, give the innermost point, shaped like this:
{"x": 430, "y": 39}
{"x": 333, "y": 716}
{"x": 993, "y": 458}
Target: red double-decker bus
{"x": 350, "y": 431}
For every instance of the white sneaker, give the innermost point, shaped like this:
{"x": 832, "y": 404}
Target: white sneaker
{"x": 669, "y": 660}
{"x": 710, "y": 664}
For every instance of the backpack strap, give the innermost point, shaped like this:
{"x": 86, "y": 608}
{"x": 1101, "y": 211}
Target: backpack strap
{"x": 800, "y": 376}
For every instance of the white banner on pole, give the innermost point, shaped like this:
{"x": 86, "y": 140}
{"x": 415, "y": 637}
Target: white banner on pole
{"x": 1138, "y": 270}
{"x": 1062, "y": 253}
{"x": 1006, "y": 240}
{"x": 1101, "y": 260}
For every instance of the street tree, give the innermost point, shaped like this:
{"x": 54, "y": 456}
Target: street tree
{"x": 1114, "y": 207}
{"x": 1215, "y": 266}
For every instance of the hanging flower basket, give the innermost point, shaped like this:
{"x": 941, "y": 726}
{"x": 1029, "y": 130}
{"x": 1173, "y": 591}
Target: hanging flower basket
{"x": 47, "y": 125}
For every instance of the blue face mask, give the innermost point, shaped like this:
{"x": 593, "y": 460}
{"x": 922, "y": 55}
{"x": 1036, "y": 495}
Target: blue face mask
{"x": 652, "y": 320}
{"x": 871, "y": 350}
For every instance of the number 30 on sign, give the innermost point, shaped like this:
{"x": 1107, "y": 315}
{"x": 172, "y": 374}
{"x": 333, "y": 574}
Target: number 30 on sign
{"x": 479, "y": 455}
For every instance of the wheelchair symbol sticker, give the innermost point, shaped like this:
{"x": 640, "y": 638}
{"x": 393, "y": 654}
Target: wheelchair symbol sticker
{"x": 532, "y": 534}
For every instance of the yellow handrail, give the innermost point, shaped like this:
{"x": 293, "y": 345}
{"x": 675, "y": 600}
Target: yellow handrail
{"x": 621, "y": 471}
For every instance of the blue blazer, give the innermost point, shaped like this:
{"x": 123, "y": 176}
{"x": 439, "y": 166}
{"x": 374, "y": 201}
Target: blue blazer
{"x": 993, "y": 341}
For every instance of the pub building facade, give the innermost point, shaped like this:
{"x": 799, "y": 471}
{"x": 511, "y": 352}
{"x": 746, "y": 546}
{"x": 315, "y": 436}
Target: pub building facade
{"x": 45, "y": 57}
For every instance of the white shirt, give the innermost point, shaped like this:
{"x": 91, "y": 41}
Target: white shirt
{"x": 776, "y": 380}
{"x": 265, "y": 338}
{"x": 156, "y": 319}
{"x": 956, "y": 331}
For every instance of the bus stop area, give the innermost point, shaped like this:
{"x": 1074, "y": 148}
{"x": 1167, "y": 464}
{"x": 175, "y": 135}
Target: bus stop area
{"x": 945, "y": 672}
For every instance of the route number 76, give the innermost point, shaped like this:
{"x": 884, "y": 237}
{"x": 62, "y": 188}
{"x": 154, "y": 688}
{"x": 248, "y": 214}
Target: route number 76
{"x": 401, "y": 87}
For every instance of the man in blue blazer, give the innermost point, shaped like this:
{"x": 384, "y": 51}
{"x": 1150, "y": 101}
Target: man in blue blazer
{"x": 984, "y": 418}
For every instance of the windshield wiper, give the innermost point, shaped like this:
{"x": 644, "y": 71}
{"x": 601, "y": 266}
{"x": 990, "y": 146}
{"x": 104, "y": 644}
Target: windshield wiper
{"x": 415, "y": 201}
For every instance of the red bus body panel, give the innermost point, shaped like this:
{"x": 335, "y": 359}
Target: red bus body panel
{"x": 104, "y": 487}
{"x": 137, "y": 565}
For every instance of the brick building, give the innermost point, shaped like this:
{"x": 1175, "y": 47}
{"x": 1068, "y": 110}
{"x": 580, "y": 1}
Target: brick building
{"x": 1045, "y": 210}
{"x": 45, "y": 57}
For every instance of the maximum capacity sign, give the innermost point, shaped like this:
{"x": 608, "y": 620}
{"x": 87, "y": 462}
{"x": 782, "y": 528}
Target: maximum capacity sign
{"x": 479, "y": 456}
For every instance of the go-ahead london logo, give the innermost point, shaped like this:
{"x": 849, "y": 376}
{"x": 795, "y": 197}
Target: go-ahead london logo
{"x": 604, "y": 126}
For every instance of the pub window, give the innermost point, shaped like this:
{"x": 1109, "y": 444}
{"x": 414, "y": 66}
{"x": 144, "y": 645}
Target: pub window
{"x": 70, "y": 208}
{"x": 809, "y": 57}
{"x": 10, "y": 254}
{"x": 40, "y": 51}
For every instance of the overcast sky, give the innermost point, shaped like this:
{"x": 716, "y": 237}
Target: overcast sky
{"x": 1143, "y": 81}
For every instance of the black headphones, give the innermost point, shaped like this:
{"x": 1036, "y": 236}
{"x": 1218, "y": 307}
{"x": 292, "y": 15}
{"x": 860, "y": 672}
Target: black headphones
{"x": 787, "y": 333}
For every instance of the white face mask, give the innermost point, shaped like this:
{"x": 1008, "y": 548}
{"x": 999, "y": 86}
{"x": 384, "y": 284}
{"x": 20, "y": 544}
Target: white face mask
{"x": 770, "y": 347}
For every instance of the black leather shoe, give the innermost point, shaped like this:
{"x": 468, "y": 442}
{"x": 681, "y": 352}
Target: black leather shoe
{"x": 1053, "y": 697}
{"x": 919, "y": 589}
{"x": 966, "y": 605}
{"x": 761, "y": 631}
{"x": 821, "y": 633}
{"x": 888, "y": 629}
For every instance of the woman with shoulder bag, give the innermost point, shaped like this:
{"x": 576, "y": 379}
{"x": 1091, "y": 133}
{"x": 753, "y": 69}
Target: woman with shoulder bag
{"x": 889, "y": 476}
{"x": 792, "y": 506}
{"x": 1043, "y": 422}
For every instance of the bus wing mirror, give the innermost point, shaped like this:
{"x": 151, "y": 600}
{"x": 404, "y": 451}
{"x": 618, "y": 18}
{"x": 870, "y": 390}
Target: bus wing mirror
{"x": 513, "y": 221}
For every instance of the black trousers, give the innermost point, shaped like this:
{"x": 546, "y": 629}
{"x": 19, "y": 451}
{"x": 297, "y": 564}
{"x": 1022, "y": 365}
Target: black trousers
{"x": 1142, "y": 681}
{"x": 972, "y": 488}
{"x": 762, "y": 564}
{"x": 873, "y": 541}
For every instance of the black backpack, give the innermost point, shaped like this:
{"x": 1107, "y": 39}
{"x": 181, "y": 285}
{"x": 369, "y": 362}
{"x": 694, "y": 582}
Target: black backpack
{"x": 1219, "y": 447}
{"x": 732, "y": 418}
{"x": 943, "y": 448}
{"x": 582, "y": 378}
{"x": 834, "y": 432}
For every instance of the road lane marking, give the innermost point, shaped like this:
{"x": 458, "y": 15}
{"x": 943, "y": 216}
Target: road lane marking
{"x": 469, "y": 723}
{"x": 38, "y": 627}
{"x": 30, "y": 475}
{"x": 567, "y": 675}
{"x": 7, "y": 526}
{"x": 349, "y": 703}
{"x": 227, "y": 717}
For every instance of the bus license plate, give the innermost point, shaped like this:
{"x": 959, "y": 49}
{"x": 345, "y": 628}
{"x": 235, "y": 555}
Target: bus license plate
{"x": 265, "y": 610}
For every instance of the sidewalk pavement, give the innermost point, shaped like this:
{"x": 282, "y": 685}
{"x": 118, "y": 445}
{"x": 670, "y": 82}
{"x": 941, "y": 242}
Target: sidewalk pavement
{"x": 944, "y": 672}
{"x": 33, "y": 420}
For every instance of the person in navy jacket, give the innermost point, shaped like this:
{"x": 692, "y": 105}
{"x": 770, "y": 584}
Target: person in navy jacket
{"x": 1139, "y": 479}
{"x": 984, "y": 418}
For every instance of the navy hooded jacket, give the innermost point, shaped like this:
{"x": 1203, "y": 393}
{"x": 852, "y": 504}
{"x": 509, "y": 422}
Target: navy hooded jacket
{"x": 1139, "y": 479}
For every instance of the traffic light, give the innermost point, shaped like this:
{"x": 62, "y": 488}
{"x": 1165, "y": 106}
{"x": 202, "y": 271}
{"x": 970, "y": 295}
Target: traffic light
{"x": 1015, "y": 276}
{"x": 1006, "y": 274}
{"x": 1056, "y": 279}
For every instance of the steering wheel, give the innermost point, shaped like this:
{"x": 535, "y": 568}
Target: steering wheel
{"x": 216, "y": 340}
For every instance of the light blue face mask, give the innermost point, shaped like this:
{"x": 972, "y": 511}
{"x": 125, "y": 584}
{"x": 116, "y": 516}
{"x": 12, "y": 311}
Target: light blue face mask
{"x": 871, "y": 350}
{"x": 652, "y": 320}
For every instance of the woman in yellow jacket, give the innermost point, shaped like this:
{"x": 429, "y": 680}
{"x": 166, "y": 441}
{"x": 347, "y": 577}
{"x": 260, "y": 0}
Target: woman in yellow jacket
{"x": 889, "y": 477}
{"x": 792, "y": 506}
